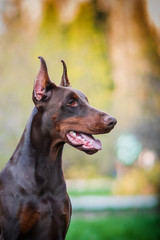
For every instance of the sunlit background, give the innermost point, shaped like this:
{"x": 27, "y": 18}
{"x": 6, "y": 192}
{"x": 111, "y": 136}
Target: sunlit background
{"x": 112, "y": 51}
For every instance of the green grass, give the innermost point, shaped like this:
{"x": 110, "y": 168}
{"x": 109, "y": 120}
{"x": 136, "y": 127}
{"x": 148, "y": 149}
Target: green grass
{"x": 135, "y": 226}
{"x": 97, "y": 192}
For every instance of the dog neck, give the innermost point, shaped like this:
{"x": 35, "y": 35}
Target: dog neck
{"x": 39, "y": 155}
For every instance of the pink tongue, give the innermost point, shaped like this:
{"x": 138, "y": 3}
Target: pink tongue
{"x": 87, "y": 141}
{"x": 91, "y": 142}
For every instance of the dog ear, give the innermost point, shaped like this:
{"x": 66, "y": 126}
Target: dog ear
{"x": 42, "y": 82}
{"x": 64, "y": 81}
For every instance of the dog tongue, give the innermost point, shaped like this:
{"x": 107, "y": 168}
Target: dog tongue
{"x": 87, "y": 141}
{"x": 91, "y": 142}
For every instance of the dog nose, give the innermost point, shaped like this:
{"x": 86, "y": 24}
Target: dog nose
{"x": 110, "y": 121}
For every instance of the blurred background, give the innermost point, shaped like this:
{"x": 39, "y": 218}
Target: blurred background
{"x": 112, "y": 50}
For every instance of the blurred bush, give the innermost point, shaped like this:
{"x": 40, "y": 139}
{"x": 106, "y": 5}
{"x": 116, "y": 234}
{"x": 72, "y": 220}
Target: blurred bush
{"x": 139, "y": 181}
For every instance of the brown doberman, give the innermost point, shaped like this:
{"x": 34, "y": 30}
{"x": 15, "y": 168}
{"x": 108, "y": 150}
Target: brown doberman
{"x": 34, "y": 204}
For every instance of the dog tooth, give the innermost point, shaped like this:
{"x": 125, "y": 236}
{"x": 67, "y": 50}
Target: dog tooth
{"x": 73, "y": 133}
{"x": 91, "y": 144}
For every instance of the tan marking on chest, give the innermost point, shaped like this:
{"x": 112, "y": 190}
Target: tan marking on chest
{"x": 28, "y": 218}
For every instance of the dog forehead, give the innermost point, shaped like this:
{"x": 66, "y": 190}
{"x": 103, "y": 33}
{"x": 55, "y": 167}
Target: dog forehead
{"x": 65, "y": 92}
{"x": 78, "y": 93}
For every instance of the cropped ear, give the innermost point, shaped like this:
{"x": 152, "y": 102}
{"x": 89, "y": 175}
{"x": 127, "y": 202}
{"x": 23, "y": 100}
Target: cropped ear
{"x": 42, "y": 82}
{"x": 64, "y": 81}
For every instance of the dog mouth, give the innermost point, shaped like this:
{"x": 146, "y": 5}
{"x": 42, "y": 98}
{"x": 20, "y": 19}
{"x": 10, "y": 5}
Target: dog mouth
{"x": 84, "y": 142}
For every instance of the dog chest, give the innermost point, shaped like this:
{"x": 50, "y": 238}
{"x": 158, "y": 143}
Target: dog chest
{"x": 50, "y": 217}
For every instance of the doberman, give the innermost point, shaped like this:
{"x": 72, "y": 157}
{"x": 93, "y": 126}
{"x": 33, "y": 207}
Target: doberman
{"x": 34, "y": 204}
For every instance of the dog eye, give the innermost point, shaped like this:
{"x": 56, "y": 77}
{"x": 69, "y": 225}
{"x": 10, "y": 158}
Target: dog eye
{"x": 72, "y": 103}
